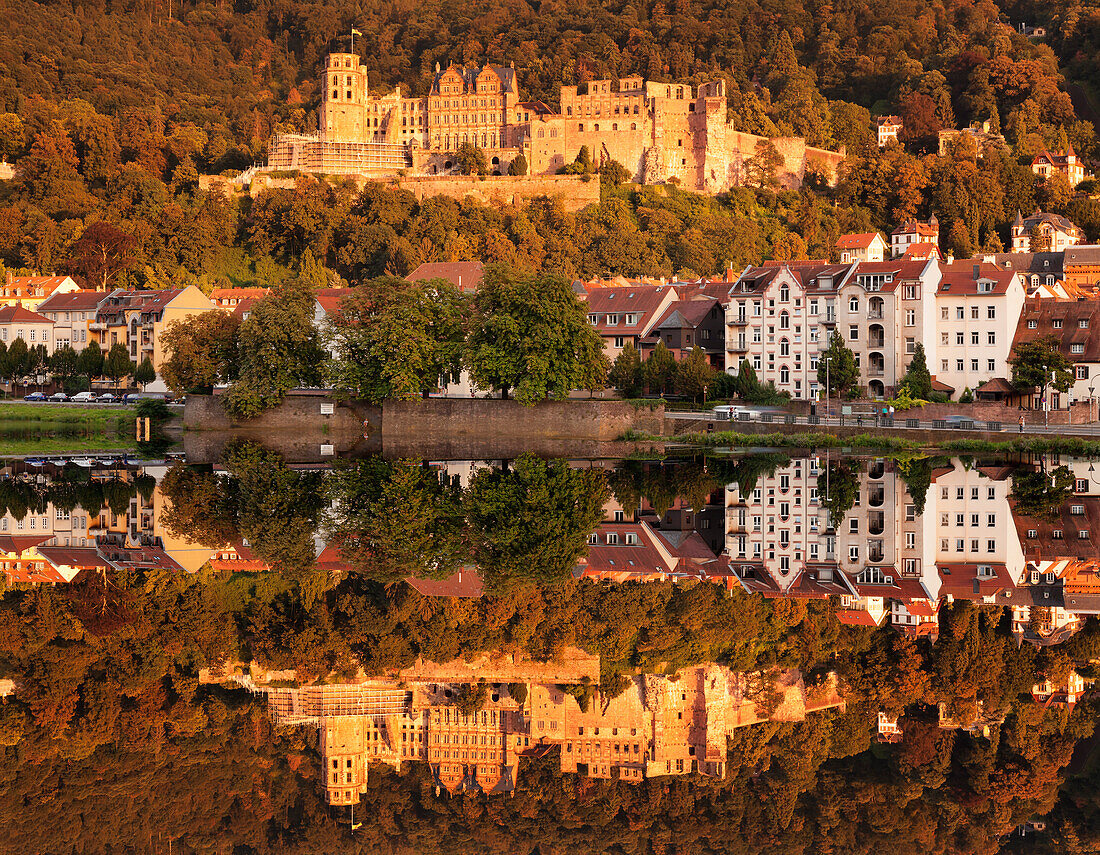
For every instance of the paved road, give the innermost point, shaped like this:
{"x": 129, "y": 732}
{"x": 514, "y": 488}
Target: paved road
{"x": 898, "y": 423}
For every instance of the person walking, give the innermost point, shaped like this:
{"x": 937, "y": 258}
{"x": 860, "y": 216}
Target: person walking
{"x": 1021, "y": 424}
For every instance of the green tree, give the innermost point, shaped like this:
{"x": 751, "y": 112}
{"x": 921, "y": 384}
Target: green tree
{"x": 917, "y": 376}
{"x": 145, "y": 373}
{"x": 531, "y": 333}
{"x": 1040, "y": 363}
{"x": 747, "y": 382}
{"x": 694, "y": 374}
{"x": 659, "y": 369}
{"x": 91, "y": 361}
{"x": 518, "y": 166}
{"x": 278, "y": 350}
{"x": 118, "y": 364}
{"x": 614, "y": 173}
{"x": 201, "y": 351}
{"x": 393, "y": 521}
{"x": 841, "y": 371}
{"x": 841, "y": 488}
{"x": 626, "y": 373}
{"x": 64, "y": 364}
{"x": 761, "y": 170}
{"x": 471, "y": 160}
{"x": 530, "y": 523}
{"x": 17, "y": 361}
{"x": 396, "y": 341}
{"x": 1040, "y": 494}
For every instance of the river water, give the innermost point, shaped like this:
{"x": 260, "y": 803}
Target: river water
{"x": 755, "y": 652}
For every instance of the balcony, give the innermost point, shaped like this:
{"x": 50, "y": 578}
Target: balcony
{"x": 739, "y": 346}
{"x": 876, "y": 524}
{"x": 876, "y": 341}
{"x": 876, "y": 497}
{"x": 738, "y": 321}
{"x": 874, "y": 314}
{"x": 97, "y": 326}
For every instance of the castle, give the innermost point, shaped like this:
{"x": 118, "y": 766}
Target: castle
{"x": 661, "y": 132}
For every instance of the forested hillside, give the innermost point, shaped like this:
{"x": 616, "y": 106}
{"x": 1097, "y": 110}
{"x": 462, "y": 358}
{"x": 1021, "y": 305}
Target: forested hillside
{"x": 111, "y": 112}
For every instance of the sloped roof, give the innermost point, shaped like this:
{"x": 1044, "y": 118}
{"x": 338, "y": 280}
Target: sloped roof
{"x": 857, "y": 241}
{"x": 465, "y": 582}
{"x": 17, "y": 314}
{"x": 1070, "y": 313}
{"x": 923, "y": 250}
{"x": 686, "y": 313}
{"x": 1057, "y": 221}
{"x": 464, "y": 275}
{"x": 641, "y": 300}
{"x": 1086, "y": 254}
{"x": 855, "y": 617}
{"x": 958, "y": 278}
{"x": 330, "y": 298}
{"x": 72, "y": 301}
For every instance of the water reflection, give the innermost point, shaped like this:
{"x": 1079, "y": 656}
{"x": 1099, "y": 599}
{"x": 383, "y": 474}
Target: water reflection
{"x": 786, "y": 630}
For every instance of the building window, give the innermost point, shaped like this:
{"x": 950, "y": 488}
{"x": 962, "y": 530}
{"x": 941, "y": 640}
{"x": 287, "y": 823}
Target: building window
{"x": 991, "y": 338}
{"x": 1081, "y": 372}
{"x": 853, "y": 333}
{"x": 1032, "y": 324}
{"x": 1073, "y": 348}
{"x": 910, "y": 317}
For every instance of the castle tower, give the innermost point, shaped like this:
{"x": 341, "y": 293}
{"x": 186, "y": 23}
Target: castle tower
{"x": 342, "y": 748}
{"x": 344, "y": 90}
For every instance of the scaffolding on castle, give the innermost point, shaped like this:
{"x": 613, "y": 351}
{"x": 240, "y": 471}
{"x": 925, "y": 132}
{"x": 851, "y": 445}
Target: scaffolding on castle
{"x": 314, "y": 704}
{"x": 311, "y": 153}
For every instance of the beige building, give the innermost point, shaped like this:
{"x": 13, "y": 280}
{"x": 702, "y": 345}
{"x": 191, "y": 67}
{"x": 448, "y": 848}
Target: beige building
{"x": 72, "y": 313}
{"x": 1052, "y": 232}
{"x": 29, "y": 291}
{"x": 660, "y": 132}
{"x": 137, "y": 319}
{"x": 17, "y": 322}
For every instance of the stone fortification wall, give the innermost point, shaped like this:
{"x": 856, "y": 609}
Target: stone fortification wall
{"x": 506, "y": 189}
{"x": 572, "y": 666}
{"x": 487, "y": 419}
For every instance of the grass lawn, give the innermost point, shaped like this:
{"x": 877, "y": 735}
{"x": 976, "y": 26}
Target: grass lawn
{"x": 28, "y": 429}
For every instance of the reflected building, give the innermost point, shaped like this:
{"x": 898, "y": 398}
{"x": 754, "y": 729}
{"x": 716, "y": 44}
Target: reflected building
{"x": 473, "y": 733}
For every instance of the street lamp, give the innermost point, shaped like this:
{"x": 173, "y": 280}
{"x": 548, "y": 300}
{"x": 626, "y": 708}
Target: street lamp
{"x": 1092, "y": 397}
{"x": 828, "y": 388}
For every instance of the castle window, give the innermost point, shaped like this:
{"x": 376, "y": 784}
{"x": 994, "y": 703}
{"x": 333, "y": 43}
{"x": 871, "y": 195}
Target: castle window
{"x": 569, "y": 111}
{"x": 614, "y": 127}
{"x": 595, "y": 127}
{"x": 580, "y": 127}
{"x": 335, "y": 95}
{"x": 635, "y": 109}
{"x": 633, "y": 125}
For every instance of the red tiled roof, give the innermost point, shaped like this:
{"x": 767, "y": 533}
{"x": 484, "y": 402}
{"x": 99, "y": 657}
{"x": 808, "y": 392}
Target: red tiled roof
{"x": 1069, "y": 313}
{"x": 641, "y": 300}
{"x": 959, "y": 278}
{"x": 464, "y": 275}
{"x": 623, "y": 559}
{"x": 855, "y": 617}
{"x": 463, "y": 583}
{"x": 17, "y": 314}
{"x": 330, "y": 298}
{"x": 962, "y": 581}
{"x": 857, "y": 241}
{"x": 923, "y": 250}
{"x": 73, "y": 301}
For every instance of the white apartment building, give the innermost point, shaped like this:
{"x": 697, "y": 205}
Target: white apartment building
{"x": 884, "y": 309}
{"x": 779, "y": 317}
{"x": 978, "y": 307}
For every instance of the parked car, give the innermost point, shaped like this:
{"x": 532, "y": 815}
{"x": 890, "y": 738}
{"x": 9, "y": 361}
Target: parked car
{"x": 83, "y": 398}
{"x": 134, "y": 397}
{"x": 959, "y": 421}
{"x": 84, "y": 462}
{"x": 106, "y": 398}
{"x": 59, "y": 397}
{"x": 35, "y": 396}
